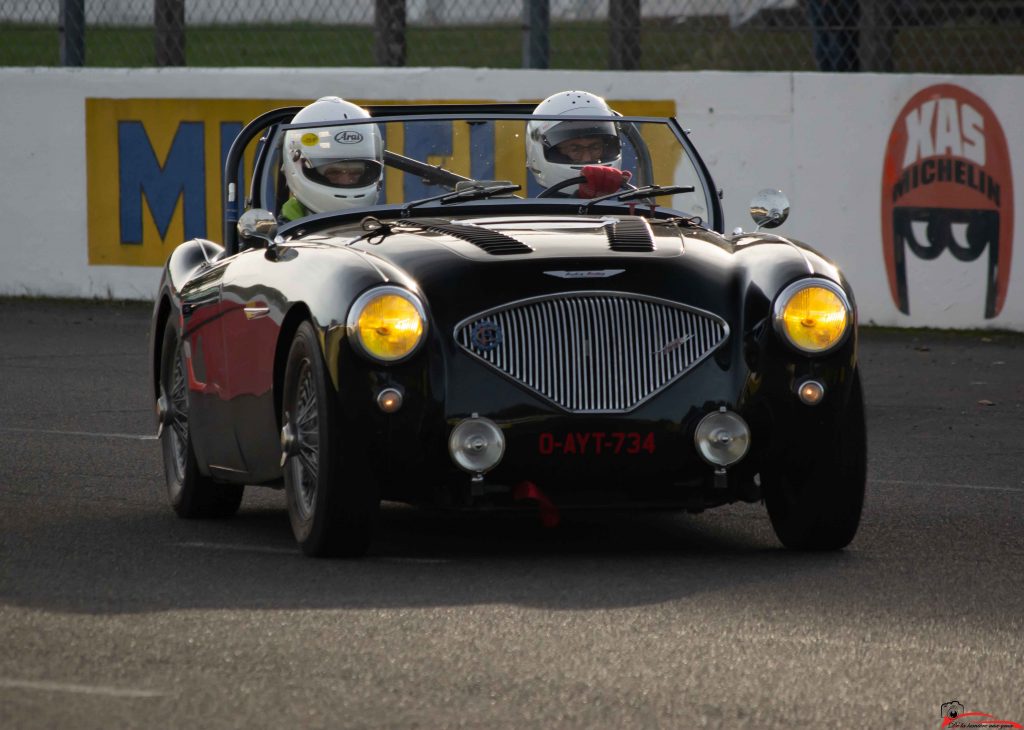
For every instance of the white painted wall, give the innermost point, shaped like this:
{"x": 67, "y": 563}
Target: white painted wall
{"x": 819, "y": 137}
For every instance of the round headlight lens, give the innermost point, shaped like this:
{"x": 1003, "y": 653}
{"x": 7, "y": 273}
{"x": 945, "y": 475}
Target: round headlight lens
{"x": 813, "y": 315}
{"x": 388, "y": 322}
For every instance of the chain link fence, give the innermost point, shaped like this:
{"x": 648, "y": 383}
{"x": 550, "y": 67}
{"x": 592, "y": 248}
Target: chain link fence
{"x": 937, "y": 36}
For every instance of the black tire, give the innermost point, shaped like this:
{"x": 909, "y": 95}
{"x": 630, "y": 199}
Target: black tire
{"x": 818, "y": 506}
{"x": 332, "y": 502}
{"x": 191, "y": 494}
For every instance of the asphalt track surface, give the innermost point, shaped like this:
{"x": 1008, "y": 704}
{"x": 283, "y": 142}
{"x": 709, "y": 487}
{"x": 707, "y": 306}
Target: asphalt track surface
{"x": 116, "y": 614}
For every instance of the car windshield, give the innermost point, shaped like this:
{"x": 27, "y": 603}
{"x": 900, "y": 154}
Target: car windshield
{"x": 447, "y": 160}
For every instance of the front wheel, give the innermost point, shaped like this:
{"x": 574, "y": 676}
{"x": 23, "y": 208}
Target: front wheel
{"x": 817, "y": 505}
{"x": 190, "y": 493}
{"x": 332, "y": 502}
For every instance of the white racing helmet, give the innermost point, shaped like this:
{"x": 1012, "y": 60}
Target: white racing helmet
{"x": 546, "y": 161}
{"x": 333, "y": 167}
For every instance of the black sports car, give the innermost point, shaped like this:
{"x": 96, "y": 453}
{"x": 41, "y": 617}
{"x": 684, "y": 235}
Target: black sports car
{"x": 464, "y": 338}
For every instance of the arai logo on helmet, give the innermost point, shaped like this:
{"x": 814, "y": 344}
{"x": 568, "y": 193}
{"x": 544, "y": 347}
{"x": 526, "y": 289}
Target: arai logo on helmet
{"x": 348, "y": 136}
{"x": 946, "y": 187}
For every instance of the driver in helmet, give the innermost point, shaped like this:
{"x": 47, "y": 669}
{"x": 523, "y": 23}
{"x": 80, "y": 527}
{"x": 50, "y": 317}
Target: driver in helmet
{"x": 557, "y": 151}
{"x": 332, "y": 167}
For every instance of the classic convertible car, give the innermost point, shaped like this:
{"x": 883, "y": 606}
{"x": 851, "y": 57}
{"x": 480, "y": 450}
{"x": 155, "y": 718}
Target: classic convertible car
{"x": 466, "y": 338}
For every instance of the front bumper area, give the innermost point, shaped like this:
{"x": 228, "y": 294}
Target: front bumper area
{"x": 645, "y": 458}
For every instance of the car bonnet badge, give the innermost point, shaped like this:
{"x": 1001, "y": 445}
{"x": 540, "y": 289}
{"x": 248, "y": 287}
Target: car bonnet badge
{"x": 673, "y": 345}
{"x": 593, "y": 274}
{"x": 486, "y": 335}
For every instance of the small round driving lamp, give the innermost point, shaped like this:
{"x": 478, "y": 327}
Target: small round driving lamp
{"x": 813, "y": 315}
{"x": 476, "y": 445}
{"x": 388, "y": 323}
{"x": 722, "y": 438}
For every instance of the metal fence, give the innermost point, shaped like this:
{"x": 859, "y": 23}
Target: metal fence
{"x": 939, "y": 36}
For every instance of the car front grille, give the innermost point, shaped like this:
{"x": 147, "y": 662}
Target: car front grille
{"x": 593, "y": 352}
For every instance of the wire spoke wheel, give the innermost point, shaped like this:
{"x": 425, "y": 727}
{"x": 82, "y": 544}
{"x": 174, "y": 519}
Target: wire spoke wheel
{"x": 179, "y": 415}
{"x": 331, "y": 505}
{"x": 190, "y": 492}
{"x": 305, "y": 464}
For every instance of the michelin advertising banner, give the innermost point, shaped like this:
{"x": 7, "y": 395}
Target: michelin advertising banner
{"x": 947, "y": 186}
{"x": 155, "y": 168}
{"x": 906, "y": 181}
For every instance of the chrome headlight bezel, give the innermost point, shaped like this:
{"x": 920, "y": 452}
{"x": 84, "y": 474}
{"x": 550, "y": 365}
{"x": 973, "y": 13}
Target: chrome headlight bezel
{"x": 359, "y": 305}
{"x": 783, "y": 299}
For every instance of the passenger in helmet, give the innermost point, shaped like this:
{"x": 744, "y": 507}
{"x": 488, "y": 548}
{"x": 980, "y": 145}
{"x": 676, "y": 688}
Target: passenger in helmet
{"x": 332, "y": 167}
{"x": 560, "y": 150}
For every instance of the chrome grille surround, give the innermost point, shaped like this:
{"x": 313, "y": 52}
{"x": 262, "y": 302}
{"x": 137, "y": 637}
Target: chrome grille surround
{"x": 593, "y": 351}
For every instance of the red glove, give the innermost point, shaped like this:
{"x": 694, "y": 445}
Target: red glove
{"x": 601, "y": 180}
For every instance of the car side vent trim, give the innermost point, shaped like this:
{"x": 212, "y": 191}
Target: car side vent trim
{"x": 494, "y": 243}
{"x": 593, "y": 351}
{"x": 630, "y": 235}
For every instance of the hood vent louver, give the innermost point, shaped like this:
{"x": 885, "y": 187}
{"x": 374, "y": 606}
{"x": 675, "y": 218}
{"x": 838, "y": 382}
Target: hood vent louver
{"x": 630, "y": 235}
{"x": 494, "y": 243}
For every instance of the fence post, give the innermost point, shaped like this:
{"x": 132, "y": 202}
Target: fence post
{"x": 169, "y": 19}
{"x": 876, "y": 35}
{"x": 72, "y": 32}
{"x": 624, "y": 34}
{"x": 536, "y": 33}
{"x": 389, "y": 32}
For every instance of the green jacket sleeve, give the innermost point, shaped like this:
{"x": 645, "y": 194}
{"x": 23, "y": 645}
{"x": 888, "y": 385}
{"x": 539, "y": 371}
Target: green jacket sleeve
{"x": 293, "y": 209}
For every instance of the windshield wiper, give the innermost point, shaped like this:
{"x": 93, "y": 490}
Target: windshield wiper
{"x": 463, "y": 193}
{"x": 647, "y": 191}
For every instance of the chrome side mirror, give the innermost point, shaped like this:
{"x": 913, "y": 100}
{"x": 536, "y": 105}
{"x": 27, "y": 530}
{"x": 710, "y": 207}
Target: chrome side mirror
{"x": 258, "y": 224}
{"x": 769, "y": 208}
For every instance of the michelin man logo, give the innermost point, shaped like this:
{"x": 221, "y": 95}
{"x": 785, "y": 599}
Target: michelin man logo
{"x": 946, "y": 186}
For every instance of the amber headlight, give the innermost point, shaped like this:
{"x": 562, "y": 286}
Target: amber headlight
{"x": 387, "y": 322}
{"x": 813, "y": 314}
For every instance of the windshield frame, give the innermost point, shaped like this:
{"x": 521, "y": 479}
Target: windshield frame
{"x": 263, "y": 189}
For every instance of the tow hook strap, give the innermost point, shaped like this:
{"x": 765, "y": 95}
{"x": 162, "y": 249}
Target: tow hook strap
{"x": 549, "y": 516}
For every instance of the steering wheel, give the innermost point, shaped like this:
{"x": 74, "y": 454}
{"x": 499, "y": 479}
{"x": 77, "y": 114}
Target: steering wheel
{"x": 550, "y": 191}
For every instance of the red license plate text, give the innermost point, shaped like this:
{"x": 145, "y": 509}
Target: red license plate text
{"x": 586, "y": 443}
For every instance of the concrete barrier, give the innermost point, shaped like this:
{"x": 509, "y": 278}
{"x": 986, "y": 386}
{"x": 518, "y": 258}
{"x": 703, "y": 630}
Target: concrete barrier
{"x": 905, "y": 180}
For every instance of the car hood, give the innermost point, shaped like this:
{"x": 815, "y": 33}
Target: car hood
{"x": 533, "y": 237}
{"x": 465, "y": 265}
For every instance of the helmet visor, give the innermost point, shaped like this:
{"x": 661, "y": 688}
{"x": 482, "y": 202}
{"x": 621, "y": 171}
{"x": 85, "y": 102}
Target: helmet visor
{"x": 342, "y": 173}
{"x": 582, "y": 143}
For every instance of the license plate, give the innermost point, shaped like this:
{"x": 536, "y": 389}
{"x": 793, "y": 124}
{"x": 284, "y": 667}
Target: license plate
{"x": 587, "y": 443}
